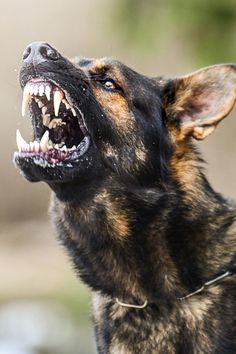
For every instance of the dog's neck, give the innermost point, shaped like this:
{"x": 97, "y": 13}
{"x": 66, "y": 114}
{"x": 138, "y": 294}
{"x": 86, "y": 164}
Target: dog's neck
{"x": 114, "y": 231}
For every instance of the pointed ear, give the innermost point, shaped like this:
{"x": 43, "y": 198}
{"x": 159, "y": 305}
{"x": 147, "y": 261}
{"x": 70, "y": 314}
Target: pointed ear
{"x": 196, "y": 103}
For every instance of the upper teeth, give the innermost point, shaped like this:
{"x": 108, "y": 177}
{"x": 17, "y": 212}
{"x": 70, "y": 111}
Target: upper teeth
{"x": 33, "y": 89}
{"x": 36, "y": 90}
{"x": 26, "y": 99}
{"x": 58, "y": 97}
{"x": 48, "y": 92}
{"x": 54, "y": 123}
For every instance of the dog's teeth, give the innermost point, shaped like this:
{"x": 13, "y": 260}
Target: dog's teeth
{"x": 73, "y": 148}
{"x": 26, "y": 148}
{"x": 44, "y": 141}
{"x": 73, "y": 111}
{"x": 64, "y": 148}
{"x": 40, "y": 104}
{"x": 35, "y": 90}
{"x": 31, "y": 89}
{"x": 46, "y": 120}
{"x": 48, "y": 92}
{"x": 52, "y": 124}
{"x": 25, "y": 101}
{"x": 41, "y": 90}
{"x": 31, "y": 145}
{"x": 36, "y": 146}
{"x": 44, "y": 109}
{"x": 27, "y": 89}
{"x": 21, "y": 143}
{"x": 57, "y": 98}
{"x": 66, "y": 104}
{"x": 55, "y": 122}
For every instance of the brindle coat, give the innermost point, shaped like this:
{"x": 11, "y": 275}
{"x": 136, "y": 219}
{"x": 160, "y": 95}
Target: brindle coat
{"x": 137, "y": 215}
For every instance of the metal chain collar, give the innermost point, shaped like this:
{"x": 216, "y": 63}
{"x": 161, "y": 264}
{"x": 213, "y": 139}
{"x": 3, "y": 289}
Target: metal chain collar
{"x": 206, "y": 285}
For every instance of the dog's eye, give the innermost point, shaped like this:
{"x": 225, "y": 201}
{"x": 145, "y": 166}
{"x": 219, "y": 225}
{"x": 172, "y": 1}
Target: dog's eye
{"x": 109, "y": 84}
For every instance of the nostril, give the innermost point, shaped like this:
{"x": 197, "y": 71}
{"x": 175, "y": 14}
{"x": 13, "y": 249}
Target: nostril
{"x": 26, "y": 52}
{"x": 49, "y": 53}
{"x": 38, "y": 52}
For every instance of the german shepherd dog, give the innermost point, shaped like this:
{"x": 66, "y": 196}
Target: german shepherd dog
{"x": 145, "y": 230}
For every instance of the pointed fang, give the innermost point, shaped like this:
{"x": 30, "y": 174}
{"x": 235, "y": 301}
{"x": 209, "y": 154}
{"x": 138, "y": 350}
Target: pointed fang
{"x": 20, "y": 141}
{"x": 57, "y": 98}
{"x": 44, "y": 141}
{"x": 25, "y": 101}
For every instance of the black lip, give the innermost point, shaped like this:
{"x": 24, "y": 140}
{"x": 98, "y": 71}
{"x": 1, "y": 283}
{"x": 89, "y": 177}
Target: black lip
{"x": 67, "y": 172}
{"x": 51, "y": 158}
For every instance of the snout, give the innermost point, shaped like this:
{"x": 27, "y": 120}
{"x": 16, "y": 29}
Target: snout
{"x": 38, "y": 52}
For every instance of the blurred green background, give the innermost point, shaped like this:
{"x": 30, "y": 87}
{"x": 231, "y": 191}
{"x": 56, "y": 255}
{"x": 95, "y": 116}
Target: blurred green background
{"x": 43, "y": 307}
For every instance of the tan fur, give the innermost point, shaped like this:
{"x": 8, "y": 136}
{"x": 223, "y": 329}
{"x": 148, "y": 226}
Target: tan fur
{"x": 116, "y": 108}
{"x": 117, "y": 219}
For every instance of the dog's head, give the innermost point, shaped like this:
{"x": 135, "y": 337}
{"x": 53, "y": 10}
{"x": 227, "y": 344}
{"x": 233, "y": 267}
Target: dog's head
{"x": 96, "y": 118}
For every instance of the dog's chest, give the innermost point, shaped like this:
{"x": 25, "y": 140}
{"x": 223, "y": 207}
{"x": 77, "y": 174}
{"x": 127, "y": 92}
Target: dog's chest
{"x": 128, "y": 331}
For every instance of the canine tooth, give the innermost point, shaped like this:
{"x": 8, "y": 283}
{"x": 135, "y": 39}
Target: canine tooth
{"x": 27, "y": 89}
{"x": 73, "y": 111}
{"x": 25, "y": 101}
{"x": 48, "y": 92}
{"x": 46, "y": 119}
{"x": 73, "y": 148}
{"x": 41, "y": 90}
{"x": 50, "y": 144}
{"x": 66, "y": 104}
{"x": 56, "y": 146}
{"x": 44, "y": 141}
{"x": 21, "y": 143}
{"x": 44, "y": 109}
{"x": 57, "y": 98}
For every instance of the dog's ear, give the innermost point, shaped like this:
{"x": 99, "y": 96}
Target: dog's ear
{"x": 196, "y": 103}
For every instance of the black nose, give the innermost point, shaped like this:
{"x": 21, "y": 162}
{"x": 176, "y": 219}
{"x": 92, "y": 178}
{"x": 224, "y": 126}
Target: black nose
{"x": 38, "y": 52}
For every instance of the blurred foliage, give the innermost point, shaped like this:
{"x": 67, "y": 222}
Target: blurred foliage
{"x": 207, "y": 26}
{"x": 76, "y": 298}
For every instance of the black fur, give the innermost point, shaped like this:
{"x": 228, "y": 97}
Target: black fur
{"x": 136, "y": 214}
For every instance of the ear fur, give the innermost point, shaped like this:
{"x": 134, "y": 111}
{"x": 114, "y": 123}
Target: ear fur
{"x": 197, "y": 102}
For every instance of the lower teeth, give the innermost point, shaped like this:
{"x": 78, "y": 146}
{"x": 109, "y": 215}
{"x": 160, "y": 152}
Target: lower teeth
{"x": 44, "y": 163}
{"x": 43, "y": 146}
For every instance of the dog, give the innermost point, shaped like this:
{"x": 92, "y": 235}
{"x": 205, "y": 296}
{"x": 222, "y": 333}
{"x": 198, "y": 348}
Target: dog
{"x": 145, "y": 230}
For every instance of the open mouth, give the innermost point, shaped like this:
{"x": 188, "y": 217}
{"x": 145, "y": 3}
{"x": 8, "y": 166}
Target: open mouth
{"x": 60, "y": 133}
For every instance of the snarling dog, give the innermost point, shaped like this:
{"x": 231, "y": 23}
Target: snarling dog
{"x": 145, "y": 230}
